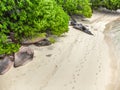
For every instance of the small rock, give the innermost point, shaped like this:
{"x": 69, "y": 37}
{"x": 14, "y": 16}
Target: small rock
{"x": 49, "y": 55}
{"x": 23, "y": 56}
{"x": 5, "y": 64}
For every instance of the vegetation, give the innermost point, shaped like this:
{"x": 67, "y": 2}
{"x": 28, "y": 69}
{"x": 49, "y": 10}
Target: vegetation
{"x": 22, "y": 19}
{"x": 25, "y": 18}
{"x": 5, "y": 47}
{"x": 80, "y": 7}
{"x": 109, "y": 4}
{"x": 52, "y": 40}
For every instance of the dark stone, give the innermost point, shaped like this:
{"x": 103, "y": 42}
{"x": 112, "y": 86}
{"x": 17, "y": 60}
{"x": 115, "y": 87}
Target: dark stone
{"x": 78, "y": 26}
{"x": 82, "y": 28}
{"x": 44, "y": 42}
{"x": 49, "y": 55}
{"x": 72, "y": 23}
{"x": 5, "y": 64}
{"x": 23, "y": 56}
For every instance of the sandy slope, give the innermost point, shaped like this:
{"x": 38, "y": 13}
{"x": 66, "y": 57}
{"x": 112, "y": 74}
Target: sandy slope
{"x": 77, "y": 61}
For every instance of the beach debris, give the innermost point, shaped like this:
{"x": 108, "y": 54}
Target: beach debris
{"x": 5, "y": 64}
{"x": 44, "y": 42}
{"x": 23, "y": 56}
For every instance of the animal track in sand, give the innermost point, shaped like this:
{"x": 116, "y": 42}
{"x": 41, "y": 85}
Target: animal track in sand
{"x": 99, "y": 70}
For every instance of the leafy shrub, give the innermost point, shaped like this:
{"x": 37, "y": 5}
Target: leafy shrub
{"x": 112, "y": 4}
{"x": 54, "y": 19}
{"x": 81, "y": 7}
{"x": 5, "y": 47}
{"x": 96, "y": 3}
{"x": 109, "y": 4}
{"x": 25, "y": 18}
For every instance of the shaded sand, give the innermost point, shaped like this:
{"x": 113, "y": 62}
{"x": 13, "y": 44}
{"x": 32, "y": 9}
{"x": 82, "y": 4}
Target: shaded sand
{"x": 77, "y": 61}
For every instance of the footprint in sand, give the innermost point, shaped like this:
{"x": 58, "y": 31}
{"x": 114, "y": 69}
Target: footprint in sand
{"x": 98, "y": 72}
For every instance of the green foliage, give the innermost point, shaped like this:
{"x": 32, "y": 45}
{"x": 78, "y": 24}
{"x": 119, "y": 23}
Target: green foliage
{"x": 52, "y": 40}
{"x": 112, "y": 4}
{"x": 26, "y": 18}
{"x": 81, "y": 7}
{"x": 7, "y": 47}
{"x": 109, "y": 4}
{"x": 96, "y": 3}
{"x": 54, "y": 20}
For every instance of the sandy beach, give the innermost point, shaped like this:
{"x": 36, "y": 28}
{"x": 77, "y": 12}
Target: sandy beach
{"x": 77, "y": 61}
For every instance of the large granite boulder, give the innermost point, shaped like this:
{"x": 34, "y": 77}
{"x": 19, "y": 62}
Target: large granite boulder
{"x": 23, "y": 56}
{"x": 5, "y": 64}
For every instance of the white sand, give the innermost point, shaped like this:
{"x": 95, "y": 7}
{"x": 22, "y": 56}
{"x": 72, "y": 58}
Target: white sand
{"x": 78, "y": 61}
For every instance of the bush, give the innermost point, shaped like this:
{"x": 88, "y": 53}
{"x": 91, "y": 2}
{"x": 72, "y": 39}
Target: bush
{"x": 81, "y": 7}
{"x": 25, "y": 18}
{"x": 7, "y": 47}
{"x": 54, "y": 19}
{"x": 112, "y": 4}
{"x": 109, "y": 4}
